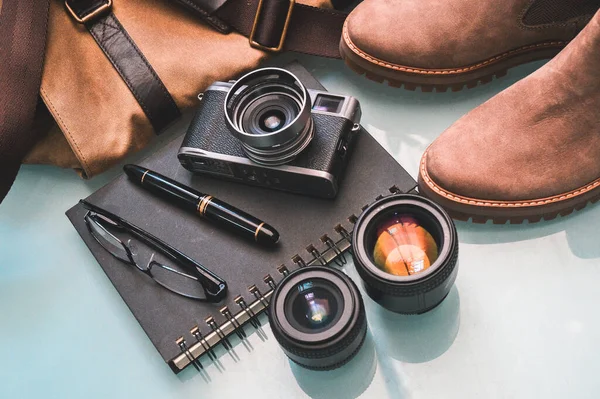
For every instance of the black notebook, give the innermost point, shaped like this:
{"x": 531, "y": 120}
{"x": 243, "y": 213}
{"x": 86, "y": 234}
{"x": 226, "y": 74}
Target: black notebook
{"x": 313, "y": 231}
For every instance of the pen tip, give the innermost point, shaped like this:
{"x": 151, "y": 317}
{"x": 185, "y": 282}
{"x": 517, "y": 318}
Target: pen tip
{"x": 267, "y": 235}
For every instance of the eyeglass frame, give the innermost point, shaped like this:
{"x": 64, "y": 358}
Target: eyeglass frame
{"x": 94, "y": 218}
{"x": 215, "y": 288}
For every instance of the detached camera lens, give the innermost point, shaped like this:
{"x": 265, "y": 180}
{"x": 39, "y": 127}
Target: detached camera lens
{"x": 268, "y": 110}
{"x": 405, "y": 249}
{"x": 318, "y": 317}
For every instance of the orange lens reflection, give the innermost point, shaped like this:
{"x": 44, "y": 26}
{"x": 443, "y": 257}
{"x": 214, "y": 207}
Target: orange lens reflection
{"x": 404, "y": 247}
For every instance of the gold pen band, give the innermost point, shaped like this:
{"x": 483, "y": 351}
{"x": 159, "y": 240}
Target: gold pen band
{"x": 203, "y": 204}
{"x": 143, "y": 176}
{"x": 257, "y": 230}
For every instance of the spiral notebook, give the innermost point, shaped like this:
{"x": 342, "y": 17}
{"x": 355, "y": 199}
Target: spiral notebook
{"x": 313, "y": 231}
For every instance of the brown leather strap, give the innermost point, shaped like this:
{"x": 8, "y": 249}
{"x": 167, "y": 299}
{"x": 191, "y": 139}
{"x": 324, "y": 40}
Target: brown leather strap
{"x": 135, "y": 70}
{"x": 23, "y": 25}
{"x": 309, "y": 30}
{"x": 137, "y": 73}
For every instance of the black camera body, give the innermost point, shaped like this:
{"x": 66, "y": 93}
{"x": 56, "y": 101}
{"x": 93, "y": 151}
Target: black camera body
{"x": 210, "y": 148}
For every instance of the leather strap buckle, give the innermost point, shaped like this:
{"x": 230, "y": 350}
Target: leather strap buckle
{"x": 90, "y": 14}
{"x": 279, "y": 47}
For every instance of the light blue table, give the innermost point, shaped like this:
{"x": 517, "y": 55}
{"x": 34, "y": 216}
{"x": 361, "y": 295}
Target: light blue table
{"x": 522, "y": 320}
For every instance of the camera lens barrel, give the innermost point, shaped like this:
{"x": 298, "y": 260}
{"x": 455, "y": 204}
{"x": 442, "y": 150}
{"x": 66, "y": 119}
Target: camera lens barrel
{"x": 269, "y": 111}
{"x": 318, "y": 317}
{"x": 405, "y": 249}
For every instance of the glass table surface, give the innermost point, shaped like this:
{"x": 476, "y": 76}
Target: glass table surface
{"x": 520, "y": 322}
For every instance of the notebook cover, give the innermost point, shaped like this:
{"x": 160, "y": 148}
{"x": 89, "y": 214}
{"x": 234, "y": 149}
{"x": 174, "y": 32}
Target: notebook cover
{"x": 300, "y": 220}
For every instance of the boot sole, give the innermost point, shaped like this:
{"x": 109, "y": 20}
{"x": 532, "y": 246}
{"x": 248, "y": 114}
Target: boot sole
{"x": 441, "y": 80}
{"x": 501, "y": 212}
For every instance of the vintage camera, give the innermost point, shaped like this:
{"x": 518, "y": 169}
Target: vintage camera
{"x": 268, "y": 130}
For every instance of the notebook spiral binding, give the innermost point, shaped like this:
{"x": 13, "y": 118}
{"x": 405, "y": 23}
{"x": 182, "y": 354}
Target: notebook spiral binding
{"x": 334, "y": 252}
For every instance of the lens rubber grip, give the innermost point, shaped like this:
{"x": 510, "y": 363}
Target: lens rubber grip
{"x": 339, "y": 364}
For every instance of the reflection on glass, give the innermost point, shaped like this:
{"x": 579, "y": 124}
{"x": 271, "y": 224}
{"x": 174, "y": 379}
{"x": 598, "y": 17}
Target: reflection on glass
{"x": 404, "y": 247}
{"x": 315, "y": 307}
{"x": 318, "y": 309}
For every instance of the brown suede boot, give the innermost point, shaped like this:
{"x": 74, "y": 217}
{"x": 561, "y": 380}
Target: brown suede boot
{"x": 531, "y": 151}
{"x": 452, "y": 43}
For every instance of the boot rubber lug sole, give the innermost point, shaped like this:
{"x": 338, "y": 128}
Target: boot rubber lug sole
{"x": 502, "y": 212}
{"x": 441, "y": 80}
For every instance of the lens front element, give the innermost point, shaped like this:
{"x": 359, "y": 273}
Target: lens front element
{"x": 403, "y": 246}
{"x": 268, "y": 113}
{"x": 271, "y": 120}
{"x": 315, "y": 305}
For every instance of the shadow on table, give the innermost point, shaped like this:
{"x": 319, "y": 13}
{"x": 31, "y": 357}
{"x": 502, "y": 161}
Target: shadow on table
{"x": 348, "y": 381}
{"x": 416, "y": 338}
{"x": 581, "y": 230}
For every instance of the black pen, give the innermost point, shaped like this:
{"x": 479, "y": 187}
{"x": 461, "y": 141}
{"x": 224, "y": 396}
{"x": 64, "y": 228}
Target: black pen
{"x": 206, "y": 205}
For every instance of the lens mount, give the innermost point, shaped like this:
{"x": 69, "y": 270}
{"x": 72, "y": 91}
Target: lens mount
{"x": 405, "y": 249}
{"x": 317, "y": 315}
{"x": 268, "y": 110}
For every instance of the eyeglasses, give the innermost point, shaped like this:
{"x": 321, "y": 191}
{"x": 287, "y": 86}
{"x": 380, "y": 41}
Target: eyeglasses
{"x": 184, "y": 276}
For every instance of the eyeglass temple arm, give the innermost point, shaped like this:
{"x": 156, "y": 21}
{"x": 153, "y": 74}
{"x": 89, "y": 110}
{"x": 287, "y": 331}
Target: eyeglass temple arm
{"x": 214, "y": 286}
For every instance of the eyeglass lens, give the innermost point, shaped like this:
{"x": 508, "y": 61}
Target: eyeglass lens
{"x": 111, "y": 243}
{"x": 176, "y": 279}
{"x": 167, "y": 274}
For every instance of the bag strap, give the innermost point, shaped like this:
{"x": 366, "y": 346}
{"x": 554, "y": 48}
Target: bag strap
{"x": 131, "y": 64}
{"x": 277, "y": 25}
{"x": 23, "y": 26}
{"x": 284, "y": 25}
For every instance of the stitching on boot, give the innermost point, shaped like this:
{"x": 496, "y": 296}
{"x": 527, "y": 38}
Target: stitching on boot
{"x": 403, "y": 68}
{"x": 502, "y": 204}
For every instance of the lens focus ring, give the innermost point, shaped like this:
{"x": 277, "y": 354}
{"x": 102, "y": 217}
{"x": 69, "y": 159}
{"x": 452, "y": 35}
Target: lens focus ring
{"x": 269, "y": 111}
{"x": 358, "y": 336}
{"x": 332, "y": 350}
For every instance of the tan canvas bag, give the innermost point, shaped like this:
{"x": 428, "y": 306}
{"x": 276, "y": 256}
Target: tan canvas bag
{"x": 117, "y": 72}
